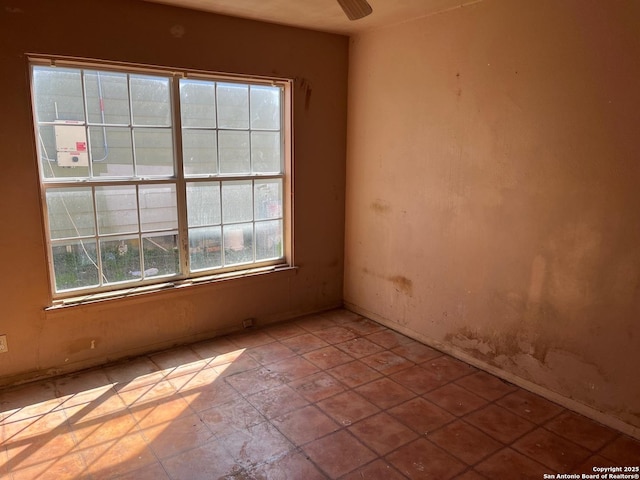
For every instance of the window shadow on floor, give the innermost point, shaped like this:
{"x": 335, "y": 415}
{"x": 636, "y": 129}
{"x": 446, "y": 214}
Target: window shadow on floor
{"x": 105, "y": 422}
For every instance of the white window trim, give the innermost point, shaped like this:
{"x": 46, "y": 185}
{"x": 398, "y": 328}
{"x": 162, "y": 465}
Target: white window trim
{"x": 186, "y": 278}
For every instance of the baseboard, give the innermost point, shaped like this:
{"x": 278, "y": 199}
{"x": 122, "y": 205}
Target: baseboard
{"x": 569, "y": 403}
{"x": 14, "y": 380}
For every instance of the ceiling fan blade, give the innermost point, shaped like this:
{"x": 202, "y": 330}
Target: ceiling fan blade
{"x": 355, "y": 9}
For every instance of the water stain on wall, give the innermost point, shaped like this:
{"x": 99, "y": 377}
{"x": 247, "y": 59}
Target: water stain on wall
{"x": 334, "y": 263}
{"x": 402, "y": 284}
{"x": 488, "y": 347}
{"x": 380, "y": 206}
{"x": 537, "y": 280}
{"x": 306, "y": 87}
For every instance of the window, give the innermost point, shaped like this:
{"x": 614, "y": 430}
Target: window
{"x": 151, "y": 177}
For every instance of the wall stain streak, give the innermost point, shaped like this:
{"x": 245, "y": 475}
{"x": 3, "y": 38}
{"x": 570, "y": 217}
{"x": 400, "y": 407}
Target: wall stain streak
{"x": 306, "y": 86}
{"x": 400, "y": 283}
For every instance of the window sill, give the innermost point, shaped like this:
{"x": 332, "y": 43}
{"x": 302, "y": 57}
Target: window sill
{"x": 168, "y": 286}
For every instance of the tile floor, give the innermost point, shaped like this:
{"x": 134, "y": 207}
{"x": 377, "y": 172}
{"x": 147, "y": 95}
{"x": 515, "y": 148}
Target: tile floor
{"x": 326, "y": 396}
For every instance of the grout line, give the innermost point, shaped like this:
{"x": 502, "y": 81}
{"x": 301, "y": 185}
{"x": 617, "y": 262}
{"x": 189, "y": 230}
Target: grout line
{"x": 566, "y": 402}
{"x": 189, "y": 375}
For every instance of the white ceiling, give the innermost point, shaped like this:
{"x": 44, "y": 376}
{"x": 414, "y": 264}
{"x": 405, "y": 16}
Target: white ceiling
{"x": 325, "y": 15}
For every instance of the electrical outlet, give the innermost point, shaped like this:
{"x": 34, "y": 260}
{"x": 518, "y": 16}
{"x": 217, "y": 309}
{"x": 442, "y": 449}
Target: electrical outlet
{"x": 3, "y": 344}
{"x": 248, "y": 322}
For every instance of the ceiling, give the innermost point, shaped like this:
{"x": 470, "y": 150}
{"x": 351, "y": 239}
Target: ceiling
{"x": 325, "y": 15}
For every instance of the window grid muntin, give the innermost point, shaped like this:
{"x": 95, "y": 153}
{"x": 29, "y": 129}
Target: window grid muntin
{"x": 131, "y": 126}
{"x": 254, "y": 218}
{"x": 223, "y": 178}
{"x": 179, "y": 177}
{"x": 252, "y": 172}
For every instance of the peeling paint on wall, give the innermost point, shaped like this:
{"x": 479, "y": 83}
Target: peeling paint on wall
{"x": 81, "y": 344}
{"x": 498, "y": 344}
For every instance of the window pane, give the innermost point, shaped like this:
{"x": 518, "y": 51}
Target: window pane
{"x": 107, "y": 97}
{"x": 268, "y": 199}
{"x": 158, "y": 207}
{"x": 63, "y": 150}
{"x": 150, "y": 100}
{"x": 200, "y": 152}
{"x": 70, "y": 212}
{"x": 57, "y": 94}
{"x": 120, "y": 259}
{"x": 47, "y": 149}
{"x": 161, "y": 256}
{"x": 265, "y": 152}
{"x": 75, "y": 264}
{"x": 268, "y": 240}
{"x": 58, "y": 160}
{"x": 203, "y": 204}
{"x": 154, "y": 152}
{"x": 233, "y": 105}
{"x": 238, "y": 244}
{"x": 265, "y": 107}
{"x": 198, "y": 103}
{"x": 237, "y": 204}
{"x": 111, "y": 152}
{"x": 234, "y": 152}
{"x": 205, "y": 248}
{"x": 117, "y": 209}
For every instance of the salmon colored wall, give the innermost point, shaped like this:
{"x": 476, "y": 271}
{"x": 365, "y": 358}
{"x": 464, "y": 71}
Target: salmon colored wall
{"x": 45, "y": 342}
{"x": 493, "y": 181}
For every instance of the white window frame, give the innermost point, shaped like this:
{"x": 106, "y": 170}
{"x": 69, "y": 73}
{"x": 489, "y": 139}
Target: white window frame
{"x": 184, "y": 276}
